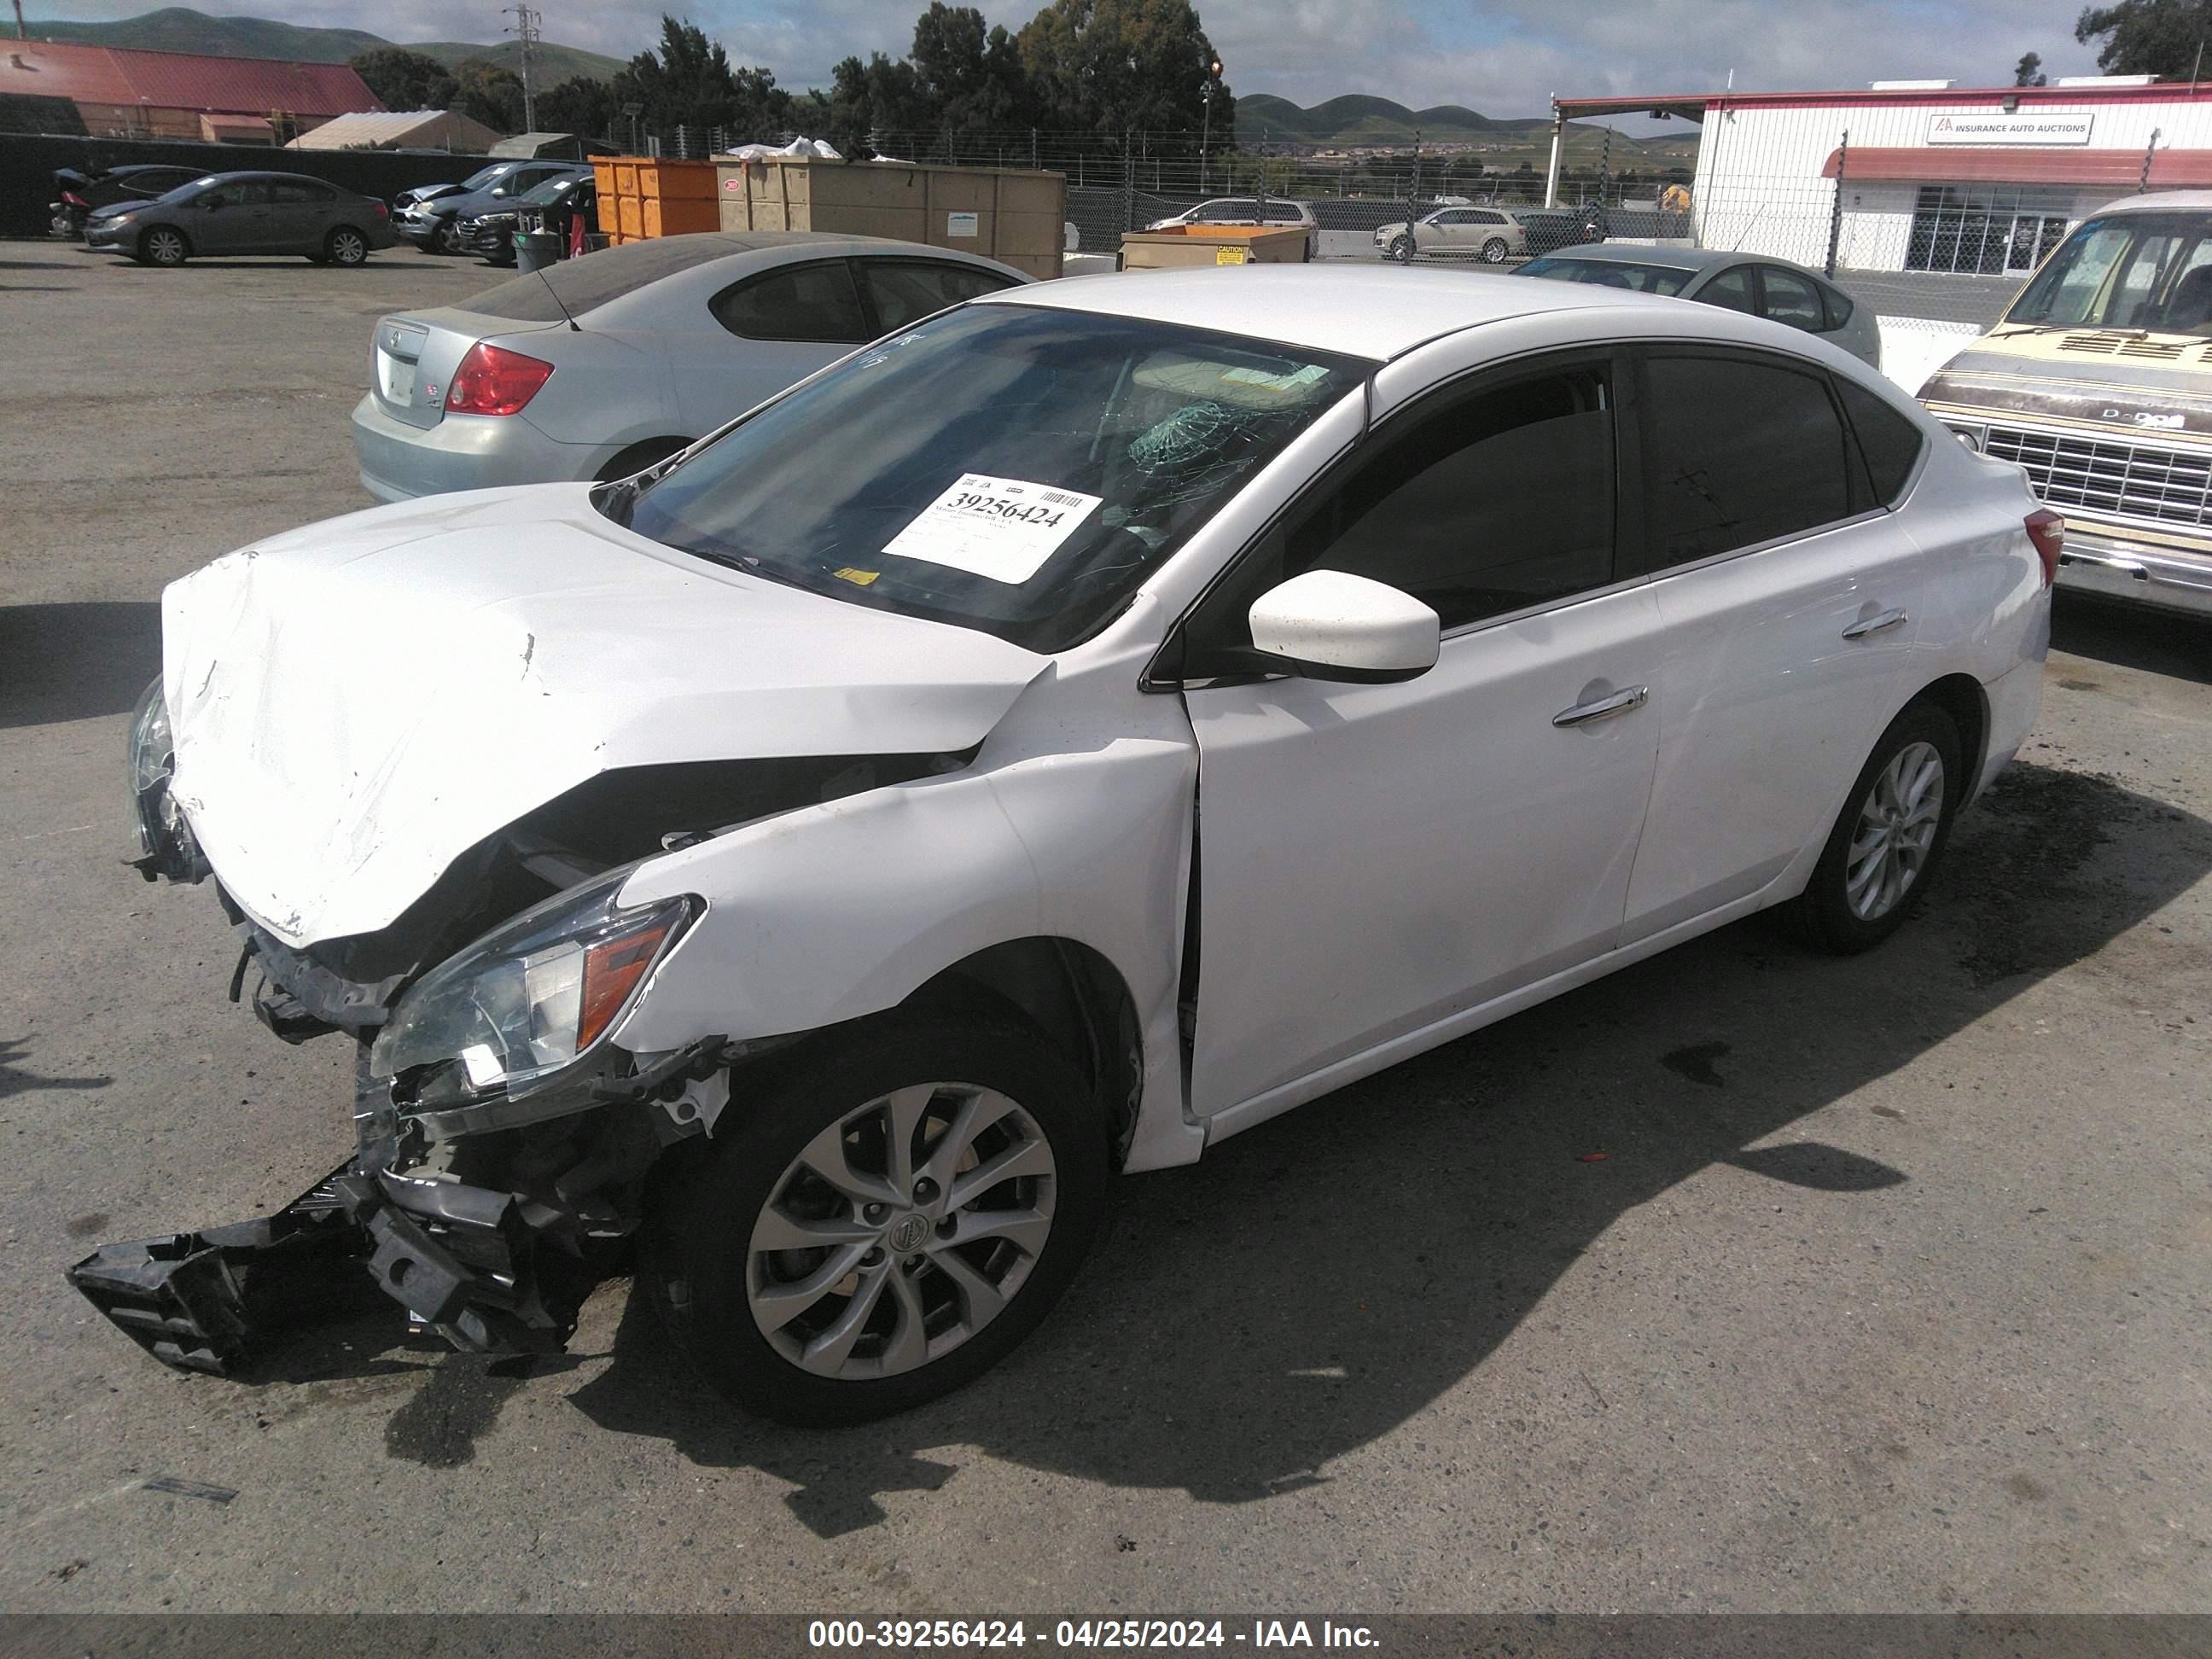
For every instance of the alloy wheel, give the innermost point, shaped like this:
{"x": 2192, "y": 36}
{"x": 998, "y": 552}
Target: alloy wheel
{"x": 165, "y": 247}
{"x": 1401, "y": 250}
{"x": 346, "y": 247}
{"x": 900, "y": 1230}
{"x": 1493, "y": 250}
{"x": 1895, "y": 832}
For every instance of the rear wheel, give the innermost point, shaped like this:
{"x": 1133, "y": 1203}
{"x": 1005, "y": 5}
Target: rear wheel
{"x": 1890, "y": 837}
{"x": 163, "y": 246}
{"x": 345, "y": 246}
{"x": 898, "y": 1205}
{"x": 1494, "y": 251}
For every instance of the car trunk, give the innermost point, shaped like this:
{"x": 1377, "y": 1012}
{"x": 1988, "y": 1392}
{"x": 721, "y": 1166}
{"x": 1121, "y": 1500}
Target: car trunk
{"x": 414, "y": 358}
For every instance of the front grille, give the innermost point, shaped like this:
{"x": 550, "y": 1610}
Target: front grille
{"x": 2102, "y": 475}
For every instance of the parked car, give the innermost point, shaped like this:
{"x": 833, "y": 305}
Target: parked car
{"x": 1774, "y": 289}
{"x": 2094, "y": 383}
{"x": 1549, "y": 229}
{"x": 434, "y": 224}
{"x": 790, "y": 861}
{"x": 1490, "y": 234}
{"x": 222, "y": 213}
{"x": 671, "y": 337}
{"x": 1247, "y": 210}
{"x": 417, "y": 194}
{"x": 554, "y": 203}
{"x": 78, "y": 194}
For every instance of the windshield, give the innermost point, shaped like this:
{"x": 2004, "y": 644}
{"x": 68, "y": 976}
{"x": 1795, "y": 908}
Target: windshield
{"x": 2142, "y": 270}
{"x": 483, "y": 176}
{"x": 1013, "y": 469}
{"x": 547, "y": 194}
{"x": 1611, "y": 273}
{"x": 196, "y": 184}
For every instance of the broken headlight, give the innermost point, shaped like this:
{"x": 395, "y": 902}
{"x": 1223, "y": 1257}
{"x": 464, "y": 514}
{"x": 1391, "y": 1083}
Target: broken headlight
{"x": 530, "y": 996}
{"x": 161, "y": 841}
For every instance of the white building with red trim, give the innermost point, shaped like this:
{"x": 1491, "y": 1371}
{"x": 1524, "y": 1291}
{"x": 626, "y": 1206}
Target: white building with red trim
{"x": 1922, "y": 176}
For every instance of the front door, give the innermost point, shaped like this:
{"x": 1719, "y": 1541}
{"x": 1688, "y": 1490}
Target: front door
{"x": 1375, "y": 858}
{"x": 232, "y": 218}
{"x": 1790, "y": 598}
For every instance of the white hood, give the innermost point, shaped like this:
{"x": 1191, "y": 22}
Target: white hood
{"x": 356, "y": 703}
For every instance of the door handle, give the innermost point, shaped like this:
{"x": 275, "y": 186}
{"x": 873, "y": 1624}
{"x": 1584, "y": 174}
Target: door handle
{"x": 1859, "y": 630}
{"x": 1618, "y": 703}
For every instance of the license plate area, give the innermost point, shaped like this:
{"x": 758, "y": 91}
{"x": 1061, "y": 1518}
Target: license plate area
{"x": 397, "y": 350}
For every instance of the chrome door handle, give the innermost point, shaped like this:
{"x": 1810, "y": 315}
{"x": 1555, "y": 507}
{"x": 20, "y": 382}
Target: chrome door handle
{"x": 1618, "y": 703}
{"x": 1859, "y": 630}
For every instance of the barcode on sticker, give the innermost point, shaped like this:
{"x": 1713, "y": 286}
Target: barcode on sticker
{"x": 1060, "y": 498}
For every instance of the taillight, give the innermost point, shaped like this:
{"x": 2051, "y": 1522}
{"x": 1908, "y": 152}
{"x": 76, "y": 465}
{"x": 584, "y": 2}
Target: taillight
{"x": 73, "y": 198}
{"x": 493, "y": 381}
{"x": 382, "y": 211}
{"x": 2047, "y": 530}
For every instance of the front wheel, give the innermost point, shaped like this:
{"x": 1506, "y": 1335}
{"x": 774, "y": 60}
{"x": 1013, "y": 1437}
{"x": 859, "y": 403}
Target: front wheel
{"x": 1493, "y": 250}
{"x": 1885, "y": 846}
{"x": 447, "y": 238}
{"x": 1401, "y": 250}
{"x": 162, "y": 247}
{"x": 897, "y": 1207}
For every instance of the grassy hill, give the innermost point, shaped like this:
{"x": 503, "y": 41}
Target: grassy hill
{"x": 179, "y": 28}
{"x": 1360, "y": 118}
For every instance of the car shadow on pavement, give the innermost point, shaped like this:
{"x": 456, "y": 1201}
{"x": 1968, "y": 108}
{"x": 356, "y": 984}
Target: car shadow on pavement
{"x": 2133, "y": 637}
{"x": 72, "y": 661}
{"x": 1315, "y": 1283}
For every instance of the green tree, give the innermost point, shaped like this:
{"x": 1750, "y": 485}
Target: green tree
{"x": 971, "y": 78}
{"x": 1114, "y": 66}
{"x": 880, "y": 97}
{"x": 583, "y": 104}
{"x": 690, "y": 82}
{"x": 405, "y": 80}
{"x": 489, "y": 92}
{"x": 2028, "y": 72}
{"x": 2147, "y": 37}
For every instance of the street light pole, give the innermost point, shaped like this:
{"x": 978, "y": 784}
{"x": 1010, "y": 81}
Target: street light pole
{"x": 1205, "y": 131}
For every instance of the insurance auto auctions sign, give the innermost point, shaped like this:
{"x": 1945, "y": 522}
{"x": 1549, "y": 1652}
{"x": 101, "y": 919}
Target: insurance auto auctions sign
{"x": 2008, "y": 128}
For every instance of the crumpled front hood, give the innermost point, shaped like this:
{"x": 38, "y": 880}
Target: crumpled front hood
{"x": 356, "y": 703}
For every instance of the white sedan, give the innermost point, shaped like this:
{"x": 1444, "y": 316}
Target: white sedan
{"x": 1070, "y": 731}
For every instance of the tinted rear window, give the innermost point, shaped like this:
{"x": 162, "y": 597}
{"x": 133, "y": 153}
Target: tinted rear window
{"x": 1890, "y": 442}
{"x": 598, "y": 277}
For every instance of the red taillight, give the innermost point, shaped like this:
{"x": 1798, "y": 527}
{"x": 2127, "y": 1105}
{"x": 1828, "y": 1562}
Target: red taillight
{"x": 73, "y": 198}
{"x": 493, "y": 381}
{"x": 2047, "y": 530}
{"x": 382, "y": 211}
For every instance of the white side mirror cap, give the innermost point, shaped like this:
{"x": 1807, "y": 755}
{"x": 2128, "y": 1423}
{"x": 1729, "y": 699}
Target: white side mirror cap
{"x": 1332, "y": 625}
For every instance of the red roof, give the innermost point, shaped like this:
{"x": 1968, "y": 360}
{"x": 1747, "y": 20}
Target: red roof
{"x": 2170, "y": 169}
{"x": 176, "y": 79}
{"x": 2159, "y": 92}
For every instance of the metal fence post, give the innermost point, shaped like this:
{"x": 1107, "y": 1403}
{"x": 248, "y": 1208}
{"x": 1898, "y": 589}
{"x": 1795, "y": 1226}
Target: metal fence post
{"x": 1129, "y": 186}
{"x": 1836, "y": 207}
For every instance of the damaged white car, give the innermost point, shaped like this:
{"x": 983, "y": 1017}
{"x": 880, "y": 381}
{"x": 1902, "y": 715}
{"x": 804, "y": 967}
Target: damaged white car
{"x": 1082, "y": 727}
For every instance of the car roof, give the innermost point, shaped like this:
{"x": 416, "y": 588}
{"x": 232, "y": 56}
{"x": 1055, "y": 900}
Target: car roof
{"x": 1377, "y": 312}
{"x": 2165, "y": 202}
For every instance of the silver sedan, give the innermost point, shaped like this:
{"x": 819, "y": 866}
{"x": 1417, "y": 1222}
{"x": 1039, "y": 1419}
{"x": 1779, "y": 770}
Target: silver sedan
{"x": 602, "y": 365}
{"x": 1762, "y": 287}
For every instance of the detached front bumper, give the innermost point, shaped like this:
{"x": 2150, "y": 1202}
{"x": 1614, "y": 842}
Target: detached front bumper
{"x": 491, "y": 1272}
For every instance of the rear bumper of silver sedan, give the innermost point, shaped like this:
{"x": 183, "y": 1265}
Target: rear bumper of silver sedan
{"x": 399, "y": 462}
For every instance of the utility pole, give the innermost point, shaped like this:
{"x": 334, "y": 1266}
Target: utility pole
{"x": 22, "y": 34}
{"x": 528, "y": 21}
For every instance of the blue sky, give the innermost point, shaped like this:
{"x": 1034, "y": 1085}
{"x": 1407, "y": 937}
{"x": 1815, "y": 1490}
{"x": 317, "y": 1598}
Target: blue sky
{"x": 1504, "y": 58}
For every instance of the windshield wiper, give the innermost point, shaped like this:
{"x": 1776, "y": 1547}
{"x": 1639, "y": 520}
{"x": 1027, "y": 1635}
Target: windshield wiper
{"x": 619, "y": 500}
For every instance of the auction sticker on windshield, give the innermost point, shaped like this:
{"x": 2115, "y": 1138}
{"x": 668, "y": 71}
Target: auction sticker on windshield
{"x": 1003, "y": 529}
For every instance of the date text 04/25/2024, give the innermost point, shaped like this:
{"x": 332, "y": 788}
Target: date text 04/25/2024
{"x": 915, "y": 1635}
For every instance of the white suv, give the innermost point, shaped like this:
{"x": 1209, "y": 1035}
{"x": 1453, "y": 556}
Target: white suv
{"x": 1248, "y": 210}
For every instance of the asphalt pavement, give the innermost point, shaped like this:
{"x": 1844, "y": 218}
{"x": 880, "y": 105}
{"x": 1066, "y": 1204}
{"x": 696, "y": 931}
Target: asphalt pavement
{"x": 1889, "y": 1290}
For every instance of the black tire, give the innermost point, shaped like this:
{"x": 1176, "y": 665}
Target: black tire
{"x": 1824, "y": 914}
{"x": 1494, "y": 251}
{"x": 1400, "y": 249}
{"x": 345, "y": 246}
{"x": 700, "y": 1219}
{"x": 446, "y": 239}
{"x": 163, "y": 246}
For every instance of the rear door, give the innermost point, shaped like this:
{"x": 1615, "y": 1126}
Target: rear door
{"x": 762, "y": 333}
{"x": 300, "y": 214}
{"x": 1790, "y": 597}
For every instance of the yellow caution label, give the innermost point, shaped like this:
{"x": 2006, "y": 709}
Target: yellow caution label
{"x": 858, "y": 578}
{"x": 1230, "y": 255}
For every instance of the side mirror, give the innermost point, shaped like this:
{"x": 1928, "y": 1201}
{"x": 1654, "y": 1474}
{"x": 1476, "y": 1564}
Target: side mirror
{"x": 1332, "y": 625}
